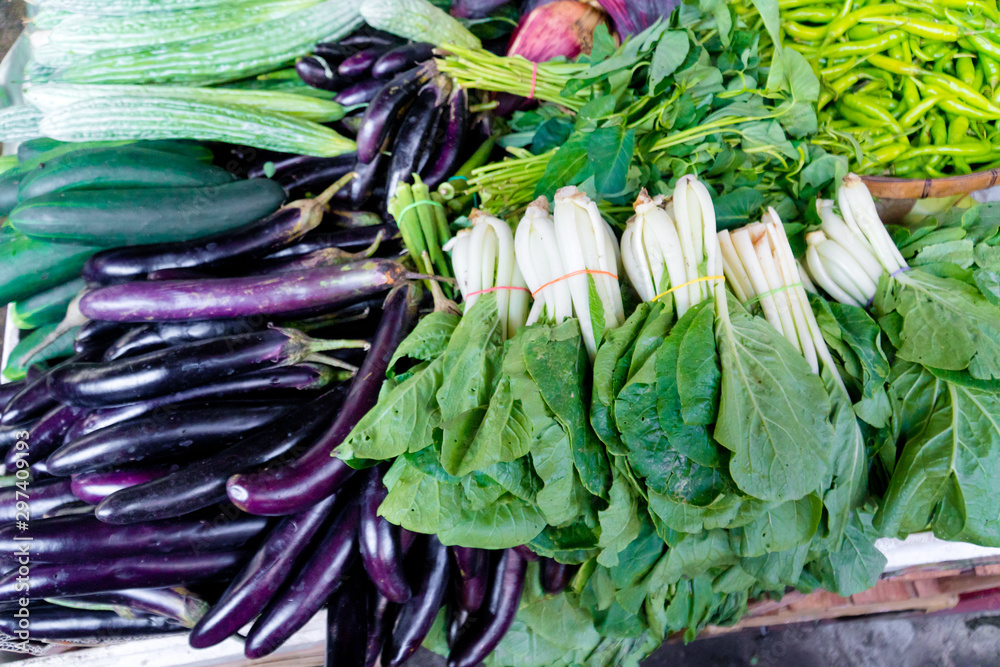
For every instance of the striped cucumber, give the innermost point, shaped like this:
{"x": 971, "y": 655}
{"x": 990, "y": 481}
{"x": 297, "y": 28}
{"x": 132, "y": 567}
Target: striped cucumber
{"x": 124, "y": 7}
{"x": 111, "y": 118}
{"x": 50, "y": 97}
{"x": 46, "y": 307}
{"x": 17, "y": 364}
{"x": 118, "y": 217}
{"x": 85, "y": 34}
{"x": 124, "y": 167}
{"x": 224, "y": 56}
{"x": 19, "y": 122}
{"x": 29, "y": 266}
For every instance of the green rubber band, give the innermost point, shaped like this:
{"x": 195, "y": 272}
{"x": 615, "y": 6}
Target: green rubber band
{"x": 754, "y": 299}
{"x": 416, "y": 204}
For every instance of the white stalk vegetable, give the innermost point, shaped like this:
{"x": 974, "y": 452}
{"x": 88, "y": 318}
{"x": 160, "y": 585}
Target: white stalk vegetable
{"x": 835, "y": 228}
{"x": 651, "y": 249}
{"x": 539, "y": 261}
{"x": 858, "y": 209}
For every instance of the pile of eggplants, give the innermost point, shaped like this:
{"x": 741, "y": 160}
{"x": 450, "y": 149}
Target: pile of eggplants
{"x": 414, "y": 121}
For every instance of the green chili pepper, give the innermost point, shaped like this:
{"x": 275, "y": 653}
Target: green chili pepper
{"x": 845, "y": 82}
{"x": 834, "y": 71}
{"x": 962, "y": 91}
{"x": 813, "y": 14}
{"x": 864, "y": 32}
{"x": 864, "y": 104}
{"x": 857, "y": 117}
{"x": 803, "y": 32}
{"x": 967, "y": 149}
{"x": 987, "y": 8}
{"x": 910, "y": 94}
{"x": 962, "y": 166}
{"x": 939, "y": 130}
{"x": 944, "y": 60}
{"x": 914, "y": 44}
{"x": 926, "y": 7}
{"x": 917, "y": 111}
{"x": 848, "y": 21}
{"x": 958, "y": 129}
{"x": 978, "y": 76}
{"x": 992, "y": 70}
{"x": 864, "y": 47}
{"x": 942, "y": 32}
{"x": 888, "y": 153}
{"x": 966, "y": 70}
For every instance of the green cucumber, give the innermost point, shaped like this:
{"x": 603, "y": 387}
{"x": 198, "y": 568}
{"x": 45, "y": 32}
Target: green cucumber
{"x": 29, "y": 266}
{"x": 124, "y": 167}
{"x": 32, "y": 148}
{"x": 111, "y": 218}
{"x": 48, "y": 307}
{"x": 17, "y": 364}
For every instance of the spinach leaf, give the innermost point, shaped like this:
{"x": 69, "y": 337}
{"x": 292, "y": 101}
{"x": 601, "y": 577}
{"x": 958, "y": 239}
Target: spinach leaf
{"x": 856, "y": 566}
{"x": 780, "y": 528}
{"x": 608, "y": 379}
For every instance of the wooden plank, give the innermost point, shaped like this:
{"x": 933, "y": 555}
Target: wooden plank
{"x": 929, "y": 604}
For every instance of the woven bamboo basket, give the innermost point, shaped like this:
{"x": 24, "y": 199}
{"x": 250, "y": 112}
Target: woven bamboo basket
{"x": 888, "y": 187}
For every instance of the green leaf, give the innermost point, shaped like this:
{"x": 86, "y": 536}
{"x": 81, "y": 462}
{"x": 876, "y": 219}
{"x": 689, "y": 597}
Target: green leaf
{"x": 566, "y": 167}
{"x": 688, "y": 518}
{"x": 775, "y": 571}
{"x": 558, "y": 498}
{"x": 780, "y": 528}
{"x": 698, "y": 373}
{"x": 737, "y": 208}
{"x": 853, "y": 568}
{"x": 609, "y": 151}
{"x": 988, "y": 283}
{"x": 670, "y": 53}
{"x": 501, "y": 525}
{"x": 596, "y": 308}
{"x": 427, "y": 341}
{"x": 620, "y": 522}
{"x": 605, "y": 389}
{"x": 773, "y": 410}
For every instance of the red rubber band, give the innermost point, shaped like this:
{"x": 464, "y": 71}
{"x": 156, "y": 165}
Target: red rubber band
{"x": 494, "y": 289}
{"x": 574, "y": 273}
{"x": 534, "y": 80}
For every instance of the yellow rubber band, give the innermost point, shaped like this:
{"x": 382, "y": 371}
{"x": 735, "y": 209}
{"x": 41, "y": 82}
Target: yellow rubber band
{"x": 757, "y": 297}
{"x": 690, "y": 282}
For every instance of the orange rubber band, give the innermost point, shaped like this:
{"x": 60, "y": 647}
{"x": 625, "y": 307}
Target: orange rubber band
{"x": 574, "y": 273}
{"x": 534, "y": 80}
{"x": 494, "y": 289}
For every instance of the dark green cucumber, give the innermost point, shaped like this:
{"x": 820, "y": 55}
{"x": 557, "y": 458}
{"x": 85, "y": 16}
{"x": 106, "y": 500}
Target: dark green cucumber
{"x": 123, "y": 167}
{"x": 32, "y": 148}
{"x": 29, "y": 266}
{"x": 46, "y": 307}
{"x": 122, "y": 217}
{"x": 17, "y": 364}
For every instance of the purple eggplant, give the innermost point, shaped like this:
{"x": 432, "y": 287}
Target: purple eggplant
{"x": 11, "y": 435}
{"x": 290, "y": 488}
{"x": 146, "y": 571}
{"x": 93, "y": 487}
{"x": 203, "y": 483}
{"x": 381, "y": 118}
{"x": 43, "y": 496}
{"x": 478, "y": 641}
{"x": 401, "y": 59}
{"x": 306, "y": 594}
{"x": 469, "y": 562}
{"x": 526, "y": 553}
{"x": 359, "y": 93}
{"x": 320, "y": 71}
{"x": 368, "y": 175}
{"x": 451, "y": 142}
{"x": 381, "y": 552}
{"x": 456, "y": 620}
{"x": 363, "y": 40}
{"x": 349, "y": 240}
{"x": 44, "y": 436}
{"x": 475, "y": 9}
{"x": 171, "y": 433}
{"x": 176, "y": 604}
{"x": 178, "y": 274}
{"x": 291, "y": 293}
{"x": 31, "y": 402}
{"x": 278, "y": 165}
{"x": 470, "y": 592}
{"x": 157, "y": 335}
{"x": 9, "y": 390}
{"x": 279, "y": 555}
{"x": 347, "y": 622}
{"x": 182, "y": 367}
{"x": 555, "y": 576}
{"x": 382, "y": 618}
{"x": 99, "y": 329}
{"x": 282, "y": 383}
{"x": 429, "y": 567}
{"x": 317, "y": 175}
{"x": 414, "y": 142}
{"x": 281, "y": 228}
{"x": 359, "y": 65}
{"x": 55, "y": 624}
{"x": 75, "y": 508}
{"x": 75, "y": 539}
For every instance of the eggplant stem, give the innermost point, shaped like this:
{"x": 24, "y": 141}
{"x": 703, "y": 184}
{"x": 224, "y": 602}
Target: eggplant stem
{"x": 324, "y": 197}
{"x": 331, "y": 361}
{"x": 317, "y": 345}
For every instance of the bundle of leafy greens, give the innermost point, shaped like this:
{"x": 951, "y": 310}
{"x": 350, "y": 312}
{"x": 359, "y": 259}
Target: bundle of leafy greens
{"x": 706, "y": 92}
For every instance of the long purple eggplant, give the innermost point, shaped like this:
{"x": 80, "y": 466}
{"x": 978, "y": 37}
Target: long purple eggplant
{"x": 277, "y": 558}
{"x": 93, "y": 487}
{"x": 555, "y": 576}
{"x": 290, "y": 488}
{"x": 182, "y": 367}
{"x": 203, "y": 483}
{"x": 451, "y": 143}
{"x": 170, "y": 433}
{"x": 526, "y": 553}
{"x": 75, "y": 539}
{"x": 31, "y": 402}
{"x": 9, "y": 390}
{"x": 282, "y": 383}
{"x": 429, "y": 567}
{"x": 475, "y": 9}
{"x": 84, "y": 626}
{"x": 43, "y": 496}
{"x": 320, "y": 71}
{"x": 362, "y": 92}
{"x": 12, "y": 434}
{"x": 176, "y": 569}
{"x": 382, "y": 618}
{"x": 157, "y": 335}
{"x": 347, "y": 622}
{"x": 306, "y": 594}
{"x": 369, "y": 175}
{"x": 99, "y": 330}
{"x": 470, "y": 592}
{"x": 316, "y": 175}
{"x": 381, "y": 552}
{"x": 479, "y": 640}
{"x": 386, "y": 109}
{"x": 469, "y": 562}
{"x": 359, "y": 65}
{"x": 415, "y": 142}
{"x": 401, "y": 59}
{"x": 178, "y": 274}
{"x": 281, "y": 228}
{"x": 349, "y": 240}
{"x": 45, "y": 435}
{"x": 75, "y": 508}
{"x": 178, "y": 604}
{"x": 291, "y": 293}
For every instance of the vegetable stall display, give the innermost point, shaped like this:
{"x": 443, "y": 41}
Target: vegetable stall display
{"x": 531, "y": 348}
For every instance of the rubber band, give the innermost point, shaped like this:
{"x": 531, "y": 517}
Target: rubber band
{"x": 534, "y": 80}
{"x": 459, "y": 178}
{"x": 895, "y": 273}
{"x": 690, "y": 282}
{"x": 494, "y": 289}
{"x": 416, "y": 204}
{"x": 757, "y": 297}
{"x": 570, "y": 275}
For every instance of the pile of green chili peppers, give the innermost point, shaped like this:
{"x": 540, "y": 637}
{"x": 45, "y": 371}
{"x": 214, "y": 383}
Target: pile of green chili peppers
{"x": 909, "y": 88}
